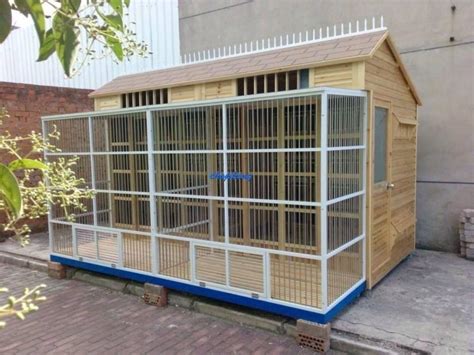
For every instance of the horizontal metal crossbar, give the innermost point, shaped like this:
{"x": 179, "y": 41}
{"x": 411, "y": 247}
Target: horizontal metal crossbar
{"x": 215, "y": 102}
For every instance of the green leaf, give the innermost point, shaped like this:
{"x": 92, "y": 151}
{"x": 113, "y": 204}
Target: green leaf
{"x": 70, "y": 6}
{"x": 21, "y": 6}
{"x": 27, "y": 164}
{"x": 115, "y": 45}
{"x": 67, "y": 42}
{"x": 5, "y": 19}
{"x": 117, "y": 6}
{"x": 35, "y": 9}
{"x": 114, "y": 21}
{"x": 48, "y": 47}
{"x": 10, "y": 190}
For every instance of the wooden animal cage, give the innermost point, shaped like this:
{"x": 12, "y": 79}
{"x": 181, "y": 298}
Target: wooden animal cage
{"x": 281, "y": 179}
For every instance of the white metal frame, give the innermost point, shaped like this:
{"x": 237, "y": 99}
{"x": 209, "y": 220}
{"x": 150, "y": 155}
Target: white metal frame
{"x": 154, "y": 234}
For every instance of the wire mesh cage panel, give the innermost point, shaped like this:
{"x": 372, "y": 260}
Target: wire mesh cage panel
{"x": 262, "y": 197}
{"x": 61, "y": 240}
{"x": 174, "y": 258}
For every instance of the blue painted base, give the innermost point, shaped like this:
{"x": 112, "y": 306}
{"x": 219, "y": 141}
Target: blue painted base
{"x": 283, "y": 310}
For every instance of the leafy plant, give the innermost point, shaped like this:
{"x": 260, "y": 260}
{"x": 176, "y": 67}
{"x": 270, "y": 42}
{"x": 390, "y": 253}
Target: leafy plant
{"x": 21, "y": 306}
{"x": 59, "y": 24}
{"x": 24, "y": 194}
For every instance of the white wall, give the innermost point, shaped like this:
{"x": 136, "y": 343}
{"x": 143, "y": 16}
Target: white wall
{"x": 156, "y": 23}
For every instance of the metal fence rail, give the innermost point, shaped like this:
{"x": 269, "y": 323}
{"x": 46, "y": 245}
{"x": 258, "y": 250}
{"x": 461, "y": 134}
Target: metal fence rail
{"x": 262, "y": 196}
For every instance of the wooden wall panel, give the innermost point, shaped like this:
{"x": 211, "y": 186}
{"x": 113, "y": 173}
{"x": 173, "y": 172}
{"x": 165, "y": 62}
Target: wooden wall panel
{"x": 220, "y": 89}
{"x": 107, "y": 103}
{"x": 184, "y": 93}
{"x": 385, "y": 80}
{"x": 348, "y": 76}
{"x": 206, "y": 91}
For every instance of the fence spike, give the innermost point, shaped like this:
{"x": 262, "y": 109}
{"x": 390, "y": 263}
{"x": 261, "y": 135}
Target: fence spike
{"x": 365, "y": 24}
{"x": 381, "y": 21}
{"x": 320, "y": 32}
{"x": 373, "y": 22}
{"x": 350, "y": 27}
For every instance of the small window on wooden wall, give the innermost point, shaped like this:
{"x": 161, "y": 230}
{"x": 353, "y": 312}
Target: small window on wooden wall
{"x": 380, "y": 144}
{"x": 284, "y": 81}
{"x": 145, "y": 98}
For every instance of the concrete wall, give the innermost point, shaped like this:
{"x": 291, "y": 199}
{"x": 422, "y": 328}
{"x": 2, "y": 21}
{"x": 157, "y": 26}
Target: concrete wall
{"x": 442, "y": 70}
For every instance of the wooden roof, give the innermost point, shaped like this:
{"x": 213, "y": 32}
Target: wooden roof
{"x": 332, "y": 51}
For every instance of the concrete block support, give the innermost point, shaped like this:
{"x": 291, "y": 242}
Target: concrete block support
{"x": 314, "y": 335}
{"x": 56, "y": 270}
{"x": 155, "y": 295}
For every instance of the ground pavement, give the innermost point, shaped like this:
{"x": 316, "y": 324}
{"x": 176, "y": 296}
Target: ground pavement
{"x": 83, "y": 319}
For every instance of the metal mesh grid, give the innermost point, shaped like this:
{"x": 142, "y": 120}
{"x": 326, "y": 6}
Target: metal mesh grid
{"x": 261, "y": 196}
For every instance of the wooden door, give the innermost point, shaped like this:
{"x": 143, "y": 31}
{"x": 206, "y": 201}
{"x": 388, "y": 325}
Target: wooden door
{"x": 380, "y": 243}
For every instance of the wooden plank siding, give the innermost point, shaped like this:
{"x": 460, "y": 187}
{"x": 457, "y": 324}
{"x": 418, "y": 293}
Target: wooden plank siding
{"x": 107, "y": 103}
{"x": 348, "y": 76}
{"x": 206, "y": 91}
{"x": 389, "y": 244}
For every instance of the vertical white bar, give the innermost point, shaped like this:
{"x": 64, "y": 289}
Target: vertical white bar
{"x": 109, "y": 176}
{"x": 323, "y": 211}
{"x": 50, "y": 224}
{"x": 226, "y": 189}
{"x": 96, "y": 241}
{"x": 267, "y": 281}
{"x": 225, "y": 167}
{"x": 91, "y": 156}
{"x": 120, "y": 249}
{"x": 74, "y": 242}
{"x": 192, "y": 259}
{"x": 152, "y": 190}
{"x": 364, "y": 182}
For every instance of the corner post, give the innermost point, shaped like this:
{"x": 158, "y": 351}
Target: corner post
{"x": 323, "y": 210}
{"x": 152, "y": 191}
{"x": 45, "y": 154}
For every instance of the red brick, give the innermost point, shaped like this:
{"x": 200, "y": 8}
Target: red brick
{"x": 313, "y": 335}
